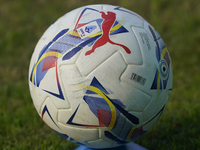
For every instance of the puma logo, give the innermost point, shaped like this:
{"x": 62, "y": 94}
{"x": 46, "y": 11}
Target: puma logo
{"x": 109, "y": 20}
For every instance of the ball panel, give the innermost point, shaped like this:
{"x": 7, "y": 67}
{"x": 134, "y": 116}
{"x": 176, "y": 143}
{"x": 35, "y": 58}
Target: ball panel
{"x": 147, "y": 45}
{"x": 49, "y": 114}
{"x": 147, "y": 124}
{"x": 71, "y": 78}
{"x": 47, "y": 36}
{"x": 139, "y": 115}
{"x": 148, "y": 28}
{"x": 129, "y": 39}
{"x": 51, "y": 80}
{"x": 132, "y": 98}
{"x": 87, "y": 64}
{"x": 52, "y": 86}
{"x": 83, "y": 117}
{"x": 78, "y": 134}
{"x": 140, "y": 77}
{"x": 110, "y": 71}
{"x": 157, "y": 103}
{"x": 38, "y": 96}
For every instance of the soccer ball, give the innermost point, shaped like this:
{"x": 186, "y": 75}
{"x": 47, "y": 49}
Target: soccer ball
{"x": 100, "y": 76}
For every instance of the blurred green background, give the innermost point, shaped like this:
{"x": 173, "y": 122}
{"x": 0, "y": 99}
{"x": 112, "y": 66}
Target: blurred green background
{"x": 22, "y": 23}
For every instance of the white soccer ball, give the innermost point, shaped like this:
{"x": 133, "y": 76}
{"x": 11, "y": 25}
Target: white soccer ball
{"x": 100, "y": 76}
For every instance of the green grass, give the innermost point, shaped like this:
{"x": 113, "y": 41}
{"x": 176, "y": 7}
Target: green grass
{"x": 22, "y": 23}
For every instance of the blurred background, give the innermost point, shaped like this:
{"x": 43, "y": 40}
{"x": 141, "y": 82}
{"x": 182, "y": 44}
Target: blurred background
{"x": 22, "y": 23}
